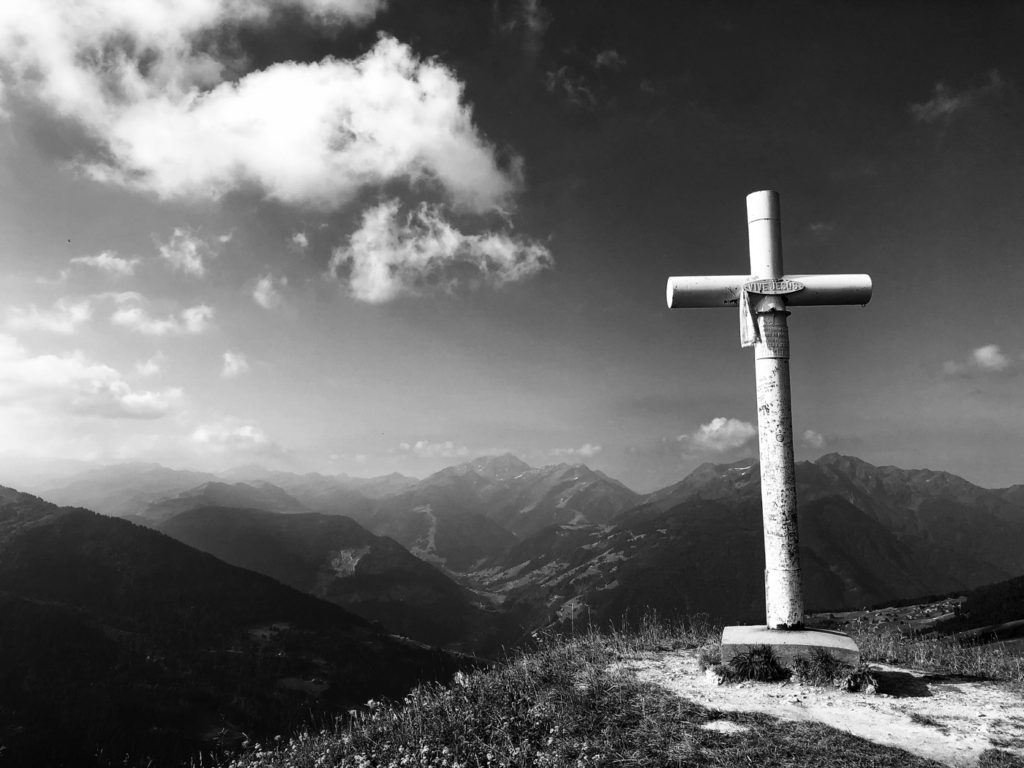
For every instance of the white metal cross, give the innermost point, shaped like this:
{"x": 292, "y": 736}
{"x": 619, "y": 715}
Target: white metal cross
{"x": 762, "y": 298}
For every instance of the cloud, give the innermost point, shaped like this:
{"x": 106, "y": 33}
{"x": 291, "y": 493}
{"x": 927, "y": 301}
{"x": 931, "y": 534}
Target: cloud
{"x": 109, "y": 262}
{"x": 425, "y": 449}
{"x": 73, "y": 384}
{"x": 184, "y": 253}
{"x": 300, "y": 240}
{"x": 232, "y": 436}
{"x": 814, "y": 439}
{"x": 64, "y": 318}
{"x": 609, "y": 59}
{"x": 386, "y": 257}
{"x": 266, "y": 294}
{"x": 132, "y": 315}
{"x": 717, "y": 439}
{"x": 985, "y": 360}
{"x": 946, "y": 104}
{"x": 536, "y": 21}
{"x": 174, "y": 113}
{"x": 573, "y": 88}
{"x": 721, "y": 435}
{"x": 150, "y": 367}
{"x": 586, "y": 451}
{"x": 235, "y": 364}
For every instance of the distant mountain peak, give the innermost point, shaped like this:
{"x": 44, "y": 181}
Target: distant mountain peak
{"x": 503, "y": 467}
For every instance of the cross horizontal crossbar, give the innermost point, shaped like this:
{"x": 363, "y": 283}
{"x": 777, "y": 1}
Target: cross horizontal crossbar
{"x": 724, "y": 290}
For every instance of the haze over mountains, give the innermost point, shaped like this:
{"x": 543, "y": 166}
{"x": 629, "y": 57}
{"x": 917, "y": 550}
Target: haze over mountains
{"x": 541, "y": 545}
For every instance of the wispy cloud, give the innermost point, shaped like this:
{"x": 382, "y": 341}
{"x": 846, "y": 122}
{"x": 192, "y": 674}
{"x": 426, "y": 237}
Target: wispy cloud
{"x": 109, "y": 262}
{"x": 425, "y": 449}
{"x": 573, "y": 88}
{"x": 985, "y": 360}
{"x": 586, "y": 451}
{"x": 235, "y": 364}
{"x": 720, "y": 435}
{"x": 64, "y": 317}
{"x": 609, "y": 59}
{"x": 266, "y": 294}
{"x": 387, "y": 257}
{"x": 184, "y": 252}
{"x": 232, "y": 436}
{"x": 947, "y": 103}
{"x": 536, "y": 21}
{"x": 813, "y": 439}
{"x": 720, "y": 439}
{"x": 133, "y": 315}
{"x": 150, "y": 366}
{"x": 71, "y": 383}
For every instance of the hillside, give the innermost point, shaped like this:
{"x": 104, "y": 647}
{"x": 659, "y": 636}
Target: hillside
{"x": 639, "y": 698}
{"x": 125, "y": 641}
{"x": 336, "y": 559}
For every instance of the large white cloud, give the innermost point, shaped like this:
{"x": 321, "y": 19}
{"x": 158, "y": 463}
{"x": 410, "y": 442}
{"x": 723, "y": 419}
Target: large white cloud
{"x": 388, "y": 256}
{"x": 176, "y": 118}
{"x": 73, "y": 384}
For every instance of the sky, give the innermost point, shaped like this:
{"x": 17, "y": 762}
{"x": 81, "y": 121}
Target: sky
{"x": 365, "y": 236}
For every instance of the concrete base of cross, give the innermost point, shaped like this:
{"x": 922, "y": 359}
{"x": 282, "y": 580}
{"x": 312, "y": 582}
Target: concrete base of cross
{"x": 789, "y": 644}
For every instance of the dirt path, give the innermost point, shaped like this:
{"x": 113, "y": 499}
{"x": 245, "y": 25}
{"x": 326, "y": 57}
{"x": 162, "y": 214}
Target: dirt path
{"x": 950, "y": 720}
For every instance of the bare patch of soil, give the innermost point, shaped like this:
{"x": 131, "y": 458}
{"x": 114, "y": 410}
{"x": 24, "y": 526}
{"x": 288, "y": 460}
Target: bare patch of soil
{"x": 951, "y": 720}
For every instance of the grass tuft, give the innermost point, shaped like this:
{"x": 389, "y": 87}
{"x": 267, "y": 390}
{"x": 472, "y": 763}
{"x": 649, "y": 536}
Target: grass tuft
{"x": 822, "y": 668}
{"x": 759, "y": 663}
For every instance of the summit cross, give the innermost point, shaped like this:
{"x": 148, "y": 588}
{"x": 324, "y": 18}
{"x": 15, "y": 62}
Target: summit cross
{"x": 762, "y": 298}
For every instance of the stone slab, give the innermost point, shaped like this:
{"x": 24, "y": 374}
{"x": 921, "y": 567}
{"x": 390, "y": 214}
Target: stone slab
{"x": 789, "y": 644}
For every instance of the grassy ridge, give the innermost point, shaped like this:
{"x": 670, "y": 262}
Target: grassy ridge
{"x": 938, "y": 653}
{"x": 562, "y": 705}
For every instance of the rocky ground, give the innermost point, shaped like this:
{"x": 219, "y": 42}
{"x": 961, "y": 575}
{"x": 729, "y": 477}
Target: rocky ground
{"x": 951, "y": 720}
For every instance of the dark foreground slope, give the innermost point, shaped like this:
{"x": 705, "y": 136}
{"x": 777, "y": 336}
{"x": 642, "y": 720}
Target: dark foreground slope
{"x": 117, "y": 640}
{"x": 336, "y": 559}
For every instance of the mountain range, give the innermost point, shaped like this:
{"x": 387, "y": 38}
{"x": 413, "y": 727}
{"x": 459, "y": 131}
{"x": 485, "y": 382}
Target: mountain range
{"x": 236, "y": 603}
{"x": 539, "y": 546}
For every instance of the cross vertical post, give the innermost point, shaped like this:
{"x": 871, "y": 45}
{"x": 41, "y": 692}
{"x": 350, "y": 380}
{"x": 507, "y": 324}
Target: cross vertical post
{"x": 783, "y": 591}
